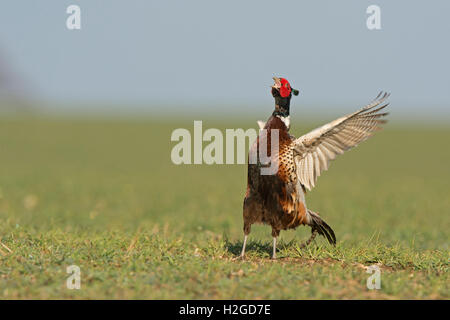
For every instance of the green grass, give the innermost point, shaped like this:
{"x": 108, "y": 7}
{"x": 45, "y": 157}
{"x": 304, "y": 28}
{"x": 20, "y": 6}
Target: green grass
{"x": 105, "y": 196}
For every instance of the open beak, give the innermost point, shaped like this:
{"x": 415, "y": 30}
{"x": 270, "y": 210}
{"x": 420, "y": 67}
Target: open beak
{"x": 277, "y": 84}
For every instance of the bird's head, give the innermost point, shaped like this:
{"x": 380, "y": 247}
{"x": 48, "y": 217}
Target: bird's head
{"x": 282, "y": 93}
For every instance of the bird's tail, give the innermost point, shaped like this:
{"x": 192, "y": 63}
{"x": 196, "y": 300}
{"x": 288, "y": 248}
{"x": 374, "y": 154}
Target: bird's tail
{"x": 322, "y": 227}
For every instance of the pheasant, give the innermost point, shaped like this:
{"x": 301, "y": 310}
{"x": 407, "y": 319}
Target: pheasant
{"x": 278, "y": 199}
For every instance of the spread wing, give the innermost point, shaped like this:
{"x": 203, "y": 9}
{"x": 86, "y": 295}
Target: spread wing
{"x": 314, "y": 150}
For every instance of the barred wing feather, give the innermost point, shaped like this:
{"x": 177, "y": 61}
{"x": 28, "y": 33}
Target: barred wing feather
{"x": 314, "y": 150}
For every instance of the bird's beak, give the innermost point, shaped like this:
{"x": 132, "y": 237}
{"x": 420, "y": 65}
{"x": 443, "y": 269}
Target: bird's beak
{"x": 277, "y": 84}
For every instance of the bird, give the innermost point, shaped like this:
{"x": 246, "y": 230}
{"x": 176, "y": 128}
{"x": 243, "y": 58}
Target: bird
{"x": 278, "y": 199}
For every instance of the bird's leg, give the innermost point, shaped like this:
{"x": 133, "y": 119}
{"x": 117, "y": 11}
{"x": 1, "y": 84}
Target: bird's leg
{"x": 247, "y": 228}
{"x": 243, "y": 246}
{"x": 275, "y": 234}
{"x": 274, "y": 253}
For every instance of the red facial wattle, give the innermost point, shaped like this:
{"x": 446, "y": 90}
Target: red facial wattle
{"x": 285, "y": 89}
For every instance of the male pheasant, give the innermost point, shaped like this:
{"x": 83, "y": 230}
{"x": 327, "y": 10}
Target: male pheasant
{"x": 279, "y": 199}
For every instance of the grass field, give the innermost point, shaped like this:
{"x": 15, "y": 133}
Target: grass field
{"x": 104, "y": 195}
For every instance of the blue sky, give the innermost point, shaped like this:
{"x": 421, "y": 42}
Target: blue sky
{"x": 211, "y": 53}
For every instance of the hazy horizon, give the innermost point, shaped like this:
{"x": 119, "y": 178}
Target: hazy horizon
{"x": 214, "y": 58}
